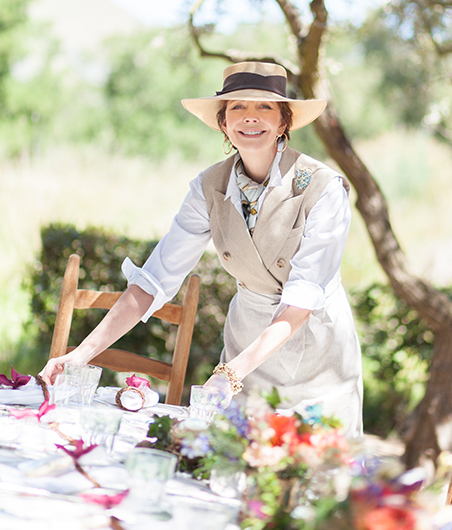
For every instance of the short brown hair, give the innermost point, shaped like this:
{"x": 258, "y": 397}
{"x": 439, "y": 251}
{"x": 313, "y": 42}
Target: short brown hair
{"x": 284, "y": 107}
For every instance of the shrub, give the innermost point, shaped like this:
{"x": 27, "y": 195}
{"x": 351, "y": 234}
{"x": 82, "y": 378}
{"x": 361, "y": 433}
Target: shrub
{"x": 397, "y": 348}
{"x": 101, "y": 256}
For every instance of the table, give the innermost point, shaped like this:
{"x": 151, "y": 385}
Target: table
{"x": 40, "y": 488}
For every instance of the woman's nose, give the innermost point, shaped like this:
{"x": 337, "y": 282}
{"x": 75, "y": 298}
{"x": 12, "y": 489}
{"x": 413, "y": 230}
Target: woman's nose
{"x": 250, "y": 116}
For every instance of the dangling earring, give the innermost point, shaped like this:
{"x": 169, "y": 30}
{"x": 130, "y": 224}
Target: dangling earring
{"x": 286, "y": 143}
{"x": 230, "y": 148}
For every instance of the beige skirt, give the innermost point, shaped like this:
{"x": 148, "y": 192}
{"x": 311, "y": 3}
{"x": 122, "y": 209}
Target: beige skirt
{"x": 320, "y": 364}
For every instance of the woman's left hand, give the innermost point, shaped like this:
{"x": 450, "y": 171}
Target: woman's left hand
{"x": 221, "y": 382}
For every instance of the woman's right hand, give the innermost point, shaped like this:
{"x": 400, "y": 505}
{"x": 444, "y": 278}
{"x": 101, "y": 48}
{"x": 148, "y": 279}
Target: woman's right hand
{"x": 54, "y": 367}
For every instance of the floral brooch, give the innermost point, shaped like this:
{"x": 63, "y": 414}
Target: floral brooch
{"x": 302, "y": 178}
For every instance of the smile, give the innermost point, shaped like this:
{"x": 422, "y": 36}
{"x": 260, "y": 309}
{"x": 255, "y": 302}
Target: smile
{"x": 251, "y": 133}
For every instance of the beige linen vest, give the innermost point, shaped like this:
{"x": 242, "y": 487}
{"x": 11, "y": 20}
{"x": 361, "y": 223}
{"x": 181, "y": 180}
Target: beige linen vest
{"x": 262, "y": 263}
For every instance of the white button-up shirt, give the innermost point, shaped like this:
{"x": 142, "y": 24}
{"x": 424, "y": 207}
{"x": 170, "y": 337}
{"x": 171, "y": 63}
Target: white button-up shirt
{"x": 314, "y": 265}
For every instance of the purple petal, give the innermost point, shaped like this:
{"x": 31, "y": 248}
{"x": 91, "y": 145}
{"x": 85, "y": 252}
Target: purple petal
{"x": 19, "y": 379}
{"x": 5, "y": 381}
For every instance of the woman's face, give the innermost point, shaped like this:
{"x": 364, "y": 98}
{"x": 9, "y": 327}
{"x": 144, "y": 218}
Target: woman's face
{"x": 253, "y": 125}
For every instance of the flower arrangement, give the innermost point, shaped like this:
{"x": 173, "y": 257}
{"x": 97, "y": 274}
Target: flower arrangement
{"x": 301, "y": 472}
{"x": 287, "y": 459}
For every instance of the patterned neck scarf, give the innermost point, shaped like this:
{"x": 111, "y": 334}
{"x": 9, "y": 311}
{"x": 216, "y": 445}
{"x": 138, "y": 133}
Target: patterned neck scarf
{"x": 250, "y": 191}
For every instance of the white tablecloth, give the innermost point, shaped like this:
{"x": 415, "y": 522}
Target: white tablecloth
{"x": 40, "y": 489}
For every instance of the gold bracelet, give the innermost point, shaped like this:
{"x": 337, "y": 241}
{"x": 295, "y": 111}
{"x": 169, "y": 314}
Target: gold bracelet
{"x": 234, "y": 381}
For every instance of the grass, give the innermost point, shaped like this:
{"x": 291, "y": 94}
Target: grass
{"x": 139, "y": 198}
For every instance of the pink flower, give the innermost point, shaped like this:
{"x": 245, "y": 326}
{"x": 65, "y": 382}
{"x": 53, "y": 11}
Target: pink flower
{"x": 17, "y": 379}
{"x": 25, "y": 413}
{"x": 136, "y": 381}
{"x": 263, "y": 455}
{"x": 255, "y": 509}
{"x": 77, "y": 450}
{"x": 105, "y": 500}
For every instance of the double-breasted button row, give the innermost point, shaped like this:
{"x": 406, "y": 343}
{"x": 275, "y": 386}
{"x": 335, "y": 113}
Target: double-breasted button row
{"x": 281, "y": 263}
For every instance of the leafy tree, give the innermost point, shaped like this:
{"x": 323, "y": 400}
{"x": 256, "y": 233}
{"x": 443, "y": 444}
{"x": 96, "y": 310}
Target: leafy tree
{"x": 148, "y": 74}
{"x": 13, "y": 16}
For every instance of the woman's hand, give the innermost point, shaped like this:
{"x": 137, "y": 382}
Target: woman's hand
{"x": 221, "y": 382}
{"x": 54, "y": 367}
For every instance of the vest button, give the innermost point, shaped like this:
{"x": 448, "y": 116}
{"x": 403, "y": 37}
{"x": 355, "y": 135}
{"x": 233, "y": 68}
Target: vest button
{"x": 226, "y": 256}
{"x": 281, "y": 263}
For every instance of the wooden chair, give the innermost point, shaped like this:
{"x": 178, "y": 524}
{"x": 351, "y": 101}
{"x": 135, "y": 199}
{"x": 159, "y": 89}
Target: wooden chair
{"x": 123, "y": 361}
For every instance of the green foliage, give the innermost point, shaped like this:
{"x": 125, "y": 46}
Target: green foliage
{"x": 273, "y": 398}
{"x": 13, "y": 15}
{"x": 149, "y": 75}
{"x": 397, "y": 347}
{"x": 159, "y": 431}
{"x": 102, "y": 254}
{"x": 381, "y": 79}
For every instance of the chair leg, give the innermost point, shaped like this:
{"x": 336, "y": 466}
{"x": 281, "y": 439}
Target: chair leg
{"x": 183, "y": 341}
{"x": 65, "y": 307}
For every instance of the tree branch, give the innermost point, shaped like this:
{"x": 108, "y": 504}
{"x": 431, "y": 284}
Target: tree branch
{"x": 236, "y": 56}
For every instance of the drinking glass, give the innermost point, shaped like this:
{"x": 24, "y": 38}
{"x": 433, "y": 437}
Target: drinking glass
{"x": 99, "y": 426}
{"x": 77, "y": 385}
{"x": 149, "y": 471}
{"x": 205, "y": 402}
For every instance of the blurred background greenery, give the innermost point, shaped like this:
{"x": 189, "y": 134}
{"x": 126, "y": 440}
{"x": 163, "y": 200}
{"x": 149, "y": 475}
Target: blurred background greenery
{"x": 96, "y": 154}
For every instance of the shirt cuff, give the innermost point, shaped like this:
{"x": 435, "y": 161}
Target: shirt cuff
{"x": 138, "y": 276}
{"x": 303, "y": 294}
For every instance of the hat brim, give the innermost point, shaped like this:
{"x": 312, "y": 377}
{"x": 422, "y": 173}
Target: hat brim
{"x": 304, "y": 111}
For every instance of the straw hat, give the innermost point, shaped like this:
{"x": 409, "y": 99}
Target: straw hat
{"x": 253, "y": 81}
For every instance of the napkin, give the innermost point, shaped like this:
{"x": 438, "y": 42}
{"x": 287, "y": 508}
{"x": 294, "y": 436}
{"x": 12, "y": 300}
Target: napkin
{"x": 29, "y": 394}
{"x": 130, "y": 400}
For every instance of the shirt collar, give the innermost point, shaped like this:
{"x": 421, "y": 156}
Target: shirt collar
{"x": 233, "y": 190}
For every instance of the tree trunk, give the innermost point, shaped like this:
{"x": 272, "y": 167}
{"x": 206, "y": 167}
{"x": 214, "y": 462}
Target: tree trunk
{"x": 431, "y": 305}
{"x": 431, "y": 430}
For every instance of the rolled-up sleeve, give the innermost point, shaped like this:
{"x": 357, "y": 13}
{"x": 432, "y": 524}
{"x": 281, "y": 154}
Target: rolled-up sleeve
{"x": 317, "y": 262}
{"x": 176, "y": 254}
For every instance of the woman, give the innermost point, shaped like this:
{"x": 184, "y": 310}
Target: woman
{"x": 279, "y": 221}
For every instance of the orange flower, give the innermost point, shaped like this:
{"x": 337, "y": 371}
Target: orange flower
{"x": 285, "y": 428}
{"x": 389, "y": 518}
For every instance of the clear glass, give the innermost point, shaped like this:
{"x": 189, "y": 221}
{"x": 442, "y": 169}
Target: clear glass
{"x": 206, "y": 402}
{"x": 76, "y": 386}
{"x": 99, "y": 426}
{"x": 149, "y": 470}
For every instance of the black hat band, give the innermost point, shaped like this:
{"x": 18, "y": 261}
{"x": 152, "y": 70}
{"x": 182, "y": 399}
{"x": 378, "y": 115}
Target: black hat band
{"x": 248, "y": 80}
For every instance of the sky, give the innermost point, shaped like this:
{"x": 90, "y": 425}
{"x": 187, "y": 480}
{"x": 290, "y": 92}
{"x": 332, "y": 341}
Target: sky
{"x": 173, "y": 12}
